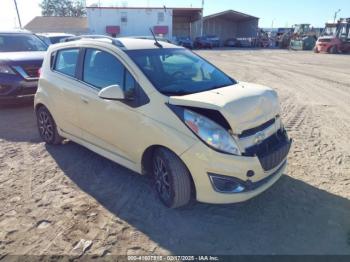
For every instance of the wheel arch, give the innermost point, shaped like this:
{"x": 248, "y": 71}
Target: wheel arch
{"x": 39, "y": 105}
{"x": 146, "y": 164}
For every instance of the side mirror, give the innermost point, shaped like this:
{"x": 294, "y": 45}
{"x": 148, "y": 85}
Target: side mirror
{"x": 113, "y": 92}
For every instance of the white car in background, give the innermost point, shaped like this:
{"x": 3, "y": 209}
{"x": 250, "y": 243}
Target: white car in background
{"x": 53, "y": 38}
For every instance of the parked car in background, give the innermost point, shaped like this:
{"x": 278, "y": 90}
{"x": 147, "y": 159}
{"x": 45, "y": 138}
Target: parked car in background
{"x": 232, "y": 42}
{"x": 215, "y": 40}
{"x": 247, "y": 42}
{"x": 335, "y": 37}
{"x": 202, "y": 42}
{"x": 21, "y": 56}
{"x": 163, "y": 111}
{"x": 159, "y": 38}
{"x": 53, "y": 38}
{"x": 184, "y": 41}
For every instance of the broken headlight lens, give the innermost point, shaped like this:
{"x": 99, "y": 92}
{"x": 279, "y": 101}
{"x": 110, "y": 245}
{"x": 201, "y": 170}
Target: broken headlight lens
{"x": 211, "y": 133}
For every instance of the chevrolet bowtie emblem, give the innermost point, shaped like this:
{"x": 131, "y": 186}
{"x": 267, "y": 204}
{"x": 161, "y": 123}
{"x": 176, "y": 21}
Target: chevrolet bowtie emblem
{"x": 259, "y": 138}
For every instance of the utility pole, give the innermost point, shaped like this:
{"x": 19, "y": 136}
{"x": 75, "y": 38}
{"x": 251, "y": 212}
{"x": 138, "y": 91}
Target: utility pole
{"x": 336, "y": 14}
{"x": 202, "y": 23}
{"x": 19, "y": 18}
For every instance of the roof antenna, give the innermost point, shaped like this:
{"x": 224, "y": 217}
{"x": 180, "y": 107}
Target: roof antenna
{"x": 156, "y": 43}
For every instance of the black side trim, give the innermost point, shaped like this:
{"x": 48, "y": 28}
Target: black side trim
{"x": 248, "y": 184}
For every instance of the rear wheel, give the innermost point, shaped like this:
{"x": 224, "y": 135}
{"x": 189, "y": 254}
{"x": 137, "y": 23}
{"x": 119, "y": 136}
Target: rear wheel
{"x": 172, "y": 179}
{"x": 47, "y": 127}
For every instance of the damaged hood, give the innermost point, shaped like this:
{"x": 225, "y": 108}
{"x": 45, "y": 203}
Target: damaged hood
{"x": 244, "y": 105}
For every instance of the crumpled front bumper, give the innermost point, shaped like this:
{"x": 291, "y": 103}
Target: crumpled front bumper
{"x": 203, "y": 161}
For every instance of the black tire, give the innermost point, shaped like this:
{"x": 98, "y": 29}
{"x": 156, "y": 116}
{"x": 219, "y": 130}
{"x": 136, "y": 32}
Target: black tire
{"x": 333, "y": 50}
{"x": 47, "y": 127}
{"x": 171, "y": 178}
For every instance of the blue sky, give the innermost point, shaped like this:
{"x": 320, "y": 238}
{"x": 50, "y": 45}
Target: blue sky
{"x": 280, "y": 13}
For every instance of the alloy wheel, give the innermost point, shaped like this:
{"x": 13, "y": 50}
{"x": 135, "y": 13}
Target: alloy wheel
{"x": 162, "y": 178}
{"x": 46, "y": 127}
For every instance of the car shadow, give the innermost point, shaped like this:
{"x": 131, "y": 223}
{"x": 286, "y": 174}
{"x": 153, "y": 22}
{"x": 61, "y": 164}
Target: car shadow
{"x": 292, "y": 217}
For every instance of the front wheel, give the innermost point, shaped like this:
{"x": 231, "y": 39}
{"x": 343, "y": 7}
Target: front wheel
{"x": 47, "y": 127}
{"x": 172, "y": 179}
{"x": 333, "y": 50}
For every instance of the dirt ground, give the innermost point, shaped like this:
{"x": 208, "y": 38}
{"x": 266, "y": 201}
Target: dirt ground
{"x": 52, "y": 197}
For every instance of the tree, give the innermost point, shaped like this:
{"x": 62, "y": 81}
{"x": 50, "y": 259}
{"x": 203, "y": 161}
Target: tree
{"x": 62, "y": 8}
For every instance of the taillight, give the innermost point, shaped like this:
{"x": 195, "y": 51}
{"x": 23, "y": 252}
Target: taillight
{"x": 39, "y": 72}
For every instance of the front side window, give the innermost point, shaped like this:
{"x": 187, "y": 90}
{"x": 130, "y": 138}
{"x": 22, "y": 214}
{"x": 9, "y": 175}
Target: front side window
{"x": 178, "y": 71}
{"x": 329, "y": 31}
{"x": 66, "y": 61}
{"x": 21, "y": 43}
{"x": 102, "y": 69}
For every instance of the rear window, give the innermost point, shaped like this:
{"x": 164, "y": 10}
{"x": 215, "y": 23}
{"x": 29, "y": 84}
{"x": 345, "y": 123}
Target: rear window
{"x": 21, "y": 43}
{"x": 57, "y": 39}
{"x": 66, "y": 61}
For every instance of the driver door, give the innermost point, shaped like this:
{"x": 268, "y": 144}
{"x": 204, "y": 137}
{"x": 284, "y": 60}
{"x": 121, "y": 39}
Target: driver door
{"x": 107, "y": 124}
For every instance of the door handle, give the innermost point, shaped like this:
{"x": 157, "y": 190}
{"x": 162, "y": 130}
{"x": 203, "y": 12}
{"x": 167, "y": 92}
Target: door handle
{"x": 85, "y": 100}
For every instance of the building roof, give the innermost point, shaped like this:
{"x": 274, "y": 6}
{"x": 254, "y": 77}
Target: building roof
{"x": 231, "y": 15}
{"x": 64, "y": 24}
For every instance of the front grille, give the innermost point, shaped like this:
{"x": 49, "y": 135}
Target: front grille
{"x": 253, "y": 131}
{"x": 325, "y": 40}
{"x": 272, "y": 151}
{"x": 32, "y": 71}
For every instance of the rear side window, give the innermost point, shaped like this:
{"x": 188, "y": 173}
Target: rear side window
{"x": 102, "y": 69}
{"x": 66, "y": 61}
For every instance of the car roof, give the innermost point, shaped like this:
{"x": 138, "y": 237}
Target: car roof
{"x": 124, "y": 43}
{"x": 15, "y": 31}
{"x": 54, "y": 34}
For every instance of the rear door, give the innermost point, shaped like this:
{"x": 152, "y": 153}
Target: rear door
{"x": 64, "y": 90}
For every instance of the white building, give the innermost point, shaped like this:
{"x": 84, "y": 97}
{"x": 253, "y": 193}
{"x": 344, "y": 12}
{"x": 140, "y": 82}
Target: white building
{"x": 169, "y": 22}
{"x": 136, "y": 21}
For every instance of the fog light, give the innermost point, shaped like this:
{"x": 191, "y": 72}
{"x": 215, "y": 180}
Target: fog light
{"x": 226, "y": 184}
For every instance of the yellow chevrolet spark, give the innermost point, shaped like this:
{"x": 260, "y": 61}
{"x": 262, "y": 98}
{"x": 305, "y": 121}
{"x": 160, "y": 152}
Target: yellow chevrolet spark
{"x": 161, "y": 110}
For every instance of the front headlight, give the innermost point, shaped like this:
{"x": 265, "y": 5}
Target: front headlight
{"x": 5, "y": 69}
{"x": 211, "y": 133}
